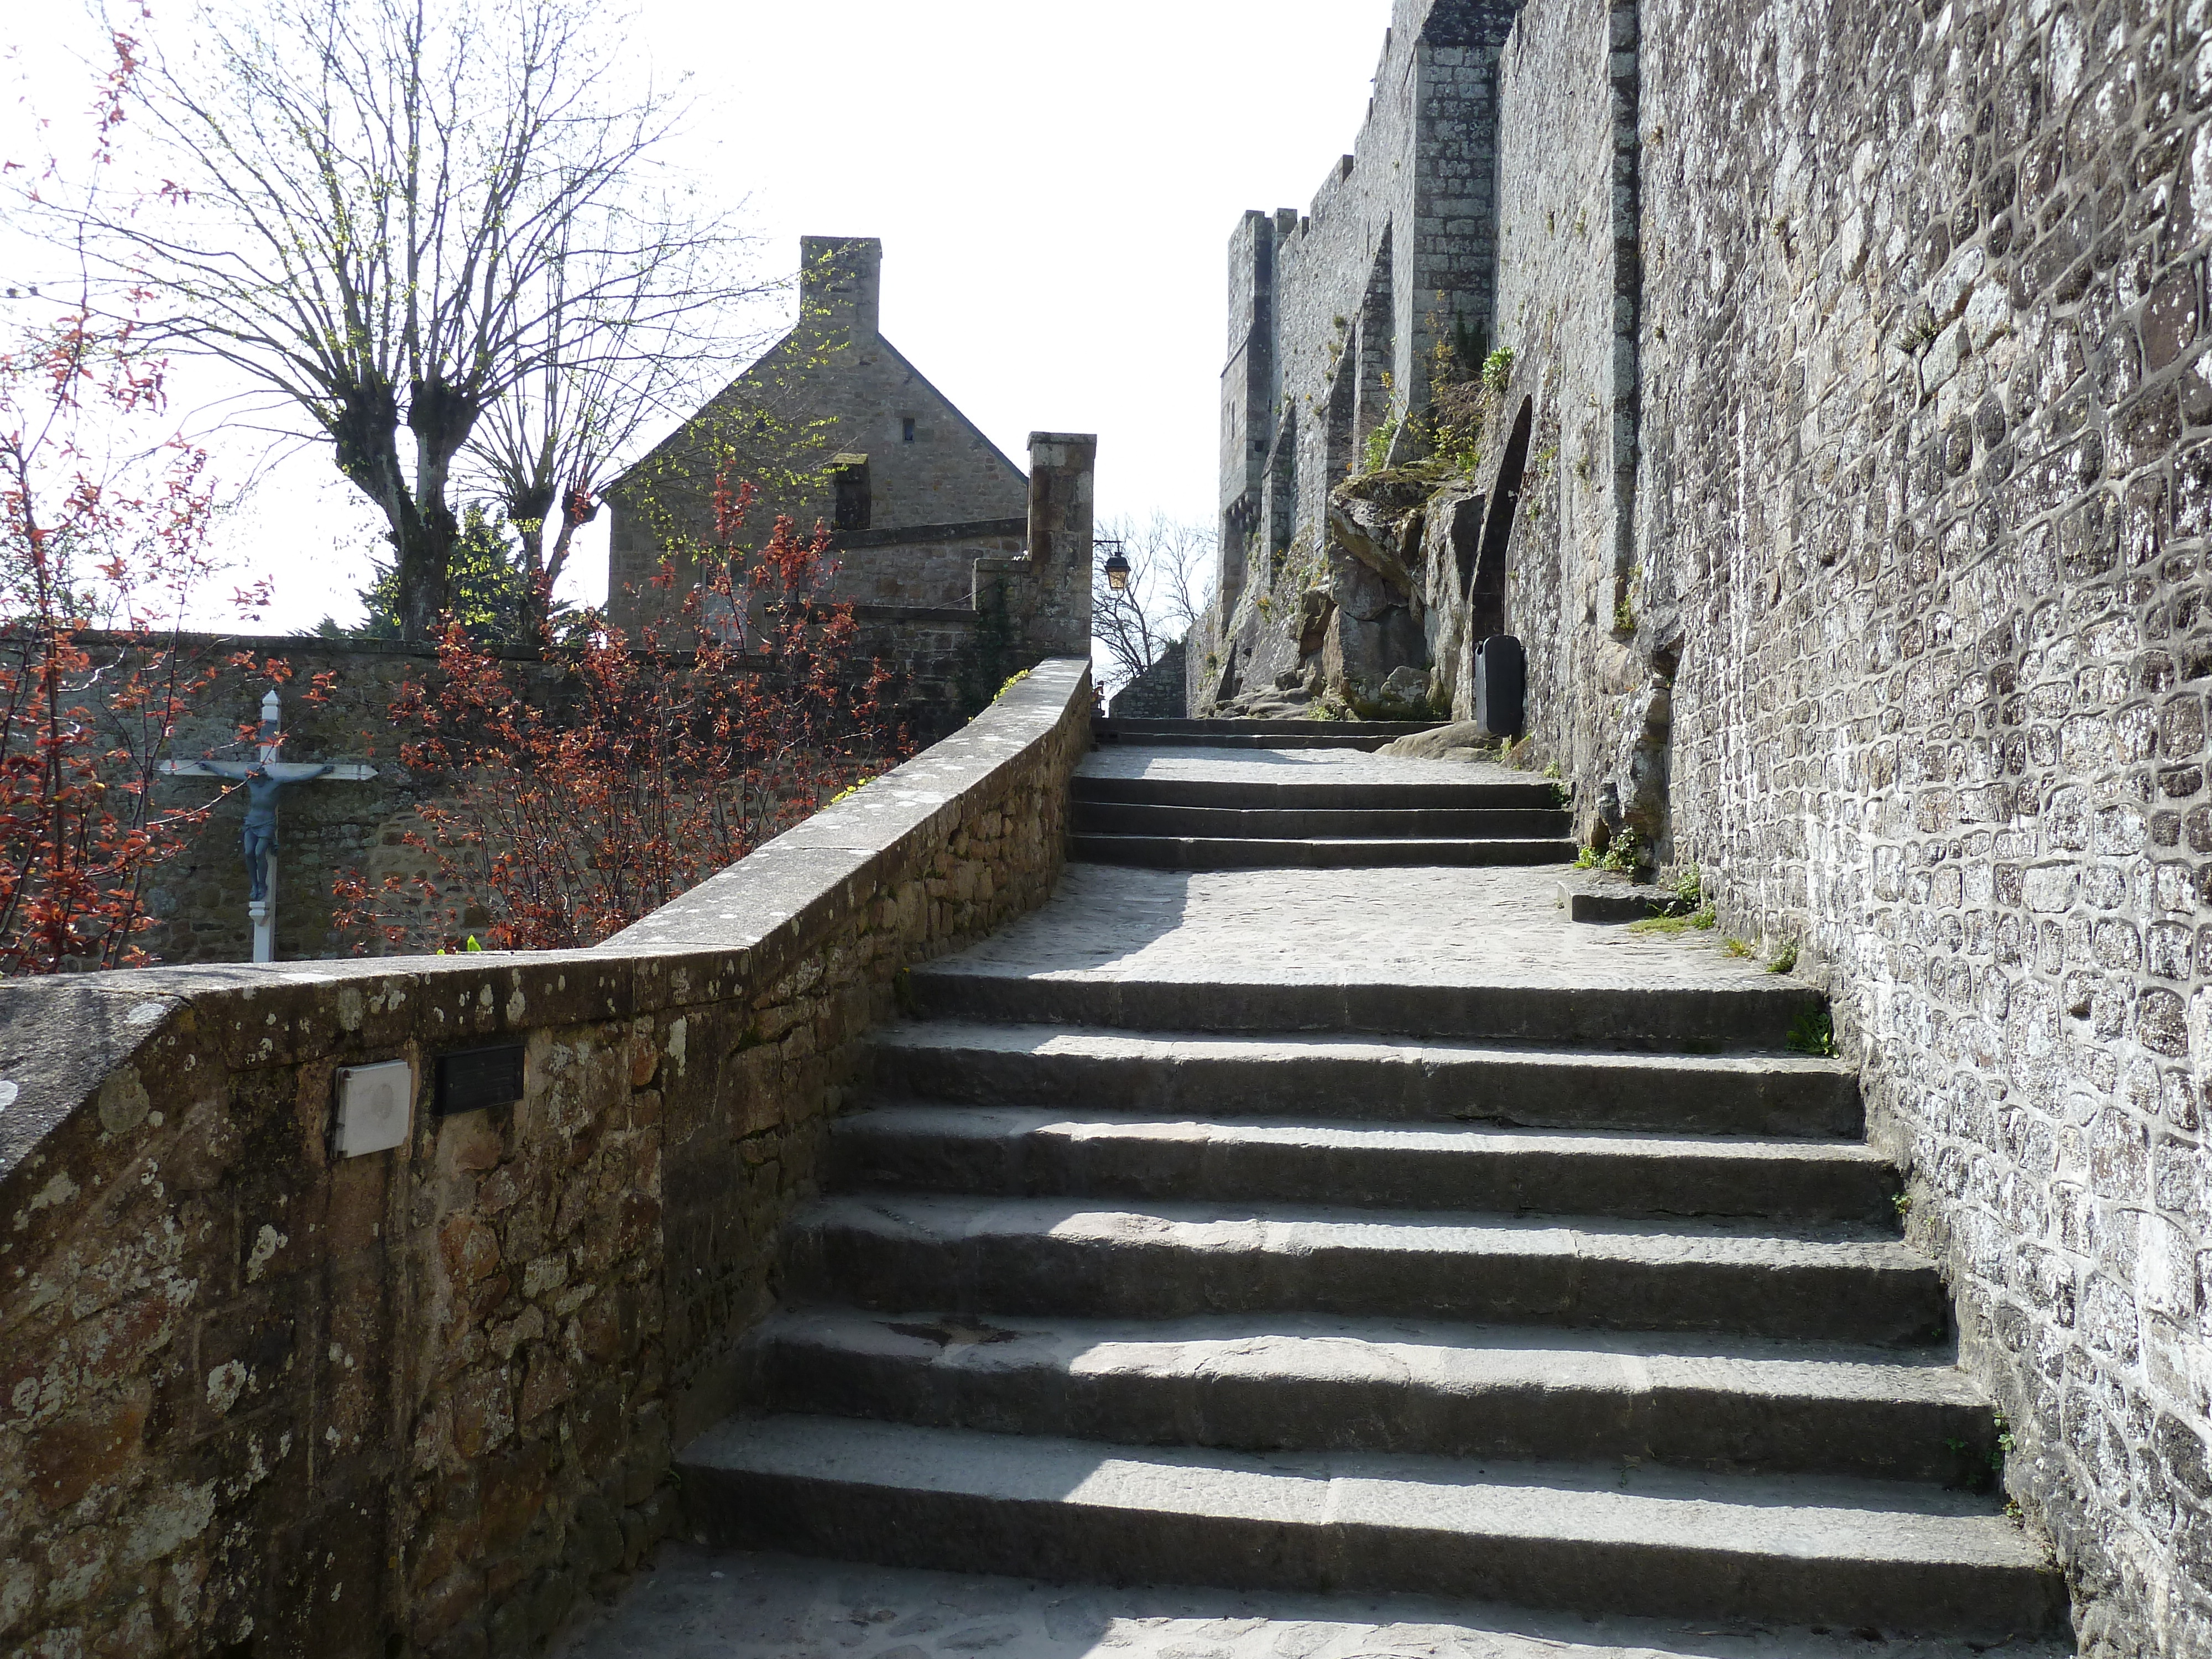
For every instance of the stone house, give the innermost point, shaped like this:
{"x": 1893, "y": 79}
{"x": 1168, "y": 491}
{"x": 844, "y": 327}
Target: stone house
{"x": 836, "y": 427}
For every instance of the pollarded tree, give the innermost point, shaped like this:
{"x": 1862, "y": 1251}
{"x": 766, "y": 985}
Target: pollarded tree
{"x": 548, "y": 445}
{"x": 388, "y": 216}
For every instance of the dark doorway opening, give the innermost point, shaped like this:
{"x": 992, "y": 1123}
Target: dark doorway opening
{"x": 855, "y": 500}
{"x": 1482, "y": 565}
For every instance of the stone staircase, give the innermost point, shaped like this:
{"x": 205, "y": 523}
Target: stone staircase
{"x": 1540, "y": 1275}
{"x": 1222, "y": 824}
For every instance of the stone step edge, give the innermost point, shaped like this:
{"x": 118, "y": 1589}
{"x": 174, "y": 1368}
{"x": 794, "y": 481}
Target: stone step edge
{"x": 884, "y": 1249}
{"x": 1752, "y": 1014}
{"x": 912, "y": 1145}
{"x": 1252, "y": 795}
{"x": 1147, "y": 1066}
{"x": 1539, "y": 1536}
{"x": 1502, "y": 1392}
{"x": 887, "y": 1109}
{"x": 946, "y": 1033}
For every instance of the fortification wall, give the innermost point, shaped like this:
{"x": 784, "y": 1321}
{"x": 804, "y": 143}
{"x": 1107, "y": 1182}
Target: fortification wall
{"x": 422, "y": 1399}
{"x": 1919, "y": 540}
{"x": 1337, "y": 316}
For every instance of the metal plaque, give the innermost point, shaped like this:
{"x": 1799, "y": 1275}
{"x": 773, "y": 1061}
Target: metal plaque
{"x": 471, "y": 1079}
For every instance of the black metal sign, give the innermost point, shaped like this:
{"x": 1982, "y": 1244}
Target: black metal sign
{"x": 472, "y": 1079}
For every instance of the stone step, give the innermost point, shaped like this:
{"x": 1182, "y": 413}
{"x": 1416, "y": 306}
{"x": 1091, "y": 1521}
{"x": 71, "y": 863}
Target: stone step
{"x": 1324, "y": 735}
{"x": 1197, "y": 853}
{"x": 1316, "y": 794}
{"x": 1307, "y": 822}
{"x": 1600, "y": 1538}
{"x": 1135, "y": 727}
{"x": 702, "y": 1603}
{"x": 1350, "y": 1079}
{"x": 1367, "y": 735}
{"x": 1312, "y": 1385}
{"x": 1061, "y": 1256}
{"x": 1756, "y": 1013}
{"x": 1038, "y": 1151}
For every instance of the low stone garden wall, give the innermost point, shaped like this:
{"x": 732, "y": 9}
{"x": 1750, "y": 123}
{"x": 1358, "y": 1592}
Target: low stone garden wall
{"x": 259, "y": 1398}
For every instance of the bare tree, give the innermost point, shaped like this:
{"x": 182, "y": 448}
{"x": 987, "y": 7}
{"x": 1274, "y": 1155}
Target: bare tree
{"x": 1169, "y": 585}
{"x": 547, "y": 447}
{"x": 394, "y": 216}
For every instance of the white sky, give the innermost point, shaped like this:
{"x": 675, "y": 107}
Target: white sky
{"x": 1054, "y": 186}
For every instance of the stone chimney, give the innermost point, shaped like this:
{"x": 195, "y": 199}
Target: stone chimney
{"x": 1045, "y": 594}
{"x": 1061, "y": 465}
{"x": 839, "y": 283}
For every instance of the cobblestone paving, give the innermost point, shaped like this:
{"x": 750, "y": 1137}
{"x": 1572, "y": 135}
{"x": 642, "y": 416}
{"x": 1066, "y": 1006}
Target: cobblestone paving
{"x": 698, "y": 1604}
{"x": 1407, "y": 927}
{"x": 1476, "y": 927}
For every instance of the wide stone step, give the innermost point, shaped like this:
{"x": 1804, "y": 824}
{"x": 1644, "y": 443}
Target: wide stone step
{"x": 1595, "y": 1537}
{"x": 1041, "y": 1151}
{"x": 1343, "y": 853}
{"x": 1308, "y": 823}
{"x": 1315, "y": 794}
{"x": 1257, "y": 733}
{"x": 1052, "y": 1257}
{"x": 1753, "y": 1014}
{"x": 1346, "y": 1079}
{"x": 1311, "y": 1385}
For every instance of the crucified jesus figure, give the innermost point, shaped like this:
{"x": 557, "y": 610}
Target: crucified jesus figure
{"x": 262, "y": 789}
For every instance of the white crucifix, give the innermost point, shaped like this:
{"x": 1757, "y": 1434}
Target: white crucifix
{"x": 264, "y": 779}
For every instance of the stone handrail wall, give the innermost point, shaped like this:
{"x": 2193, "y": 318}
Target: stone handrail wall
{"x": 254, "y": 1397}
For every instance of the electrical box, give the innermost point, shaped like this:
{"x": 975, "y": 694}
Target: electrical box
{"x": 375, "y": 1105}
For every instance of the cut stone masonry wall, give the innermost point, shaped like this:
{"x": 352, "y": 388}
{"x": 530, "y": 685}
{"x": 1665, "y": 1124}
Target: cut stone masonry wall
{"x": 1862, "y": 561}
{"x": 1928, "y": 485}
{"x": 423, "y": 1400}
{"x": 1915, "y": 651}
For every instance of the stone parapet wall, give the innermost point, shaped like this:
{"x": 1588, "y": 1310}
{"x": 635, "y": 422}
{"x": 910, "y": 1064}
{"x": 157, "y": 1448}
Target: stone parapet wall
{"x": 422, "y": 1399}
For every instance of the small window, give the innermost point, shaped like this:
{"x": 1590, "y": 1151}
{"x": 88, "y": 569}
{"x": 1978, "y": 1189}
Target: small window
{"x": 850, "y": 473}
{"x": 906, "y": 429}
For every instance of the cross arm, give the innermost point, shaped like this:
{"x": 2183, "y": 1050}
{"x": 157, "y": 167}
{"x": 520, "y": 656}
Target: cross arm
{"x": 282, "y": 771}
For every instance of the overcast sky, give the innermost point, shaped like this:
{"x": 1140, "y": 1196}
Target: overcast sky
{"x": 1054, "y": 186}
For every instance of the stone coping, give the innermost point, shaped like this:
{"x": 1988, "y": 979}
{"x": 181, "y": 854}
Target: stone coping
{"x": 62, "y": 1037}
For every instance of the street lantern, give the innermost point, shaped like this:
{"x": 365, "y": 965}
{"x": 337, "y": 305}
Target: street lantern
{"x": 1117, "y": 568}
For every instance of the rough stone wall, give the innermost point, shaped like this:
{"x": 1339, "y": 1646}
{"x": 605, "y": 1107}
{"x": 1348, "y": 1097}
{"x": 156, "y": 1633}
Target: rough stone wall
{"x": 198, "y": 900}
{"x": 258, "y": 1398}
{"x": 1156, "y": 694}
{"x": 1923, "y": 490}
{"x": 933, "y": 568}
{"x": 833, "y": 385}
